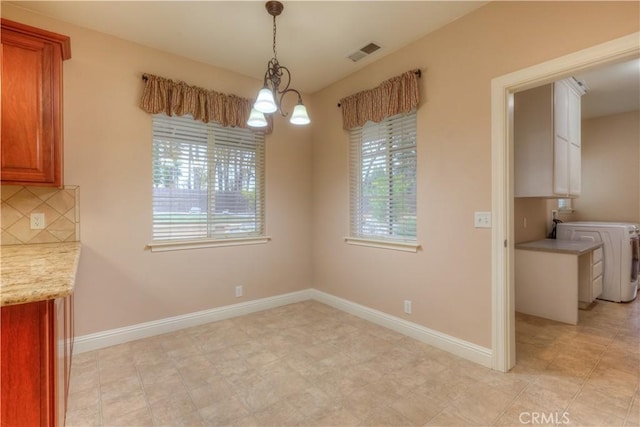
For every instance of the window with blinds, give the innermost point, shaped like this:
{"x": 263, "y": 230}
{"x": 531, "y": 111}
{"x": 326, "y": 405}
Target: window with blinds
{"x": 208, "y": 180}
{"x": 383, "y": 179}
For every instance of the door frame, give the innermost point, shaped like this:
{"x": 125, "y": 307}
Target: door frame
{"x": 502, "y": 236}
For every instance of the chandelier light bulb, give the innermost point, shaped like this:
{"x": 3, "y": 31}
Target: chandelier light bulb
{"x": 299, "y": 115}
{"x": 257, "y": 119}
{"x": 265, "y": 103}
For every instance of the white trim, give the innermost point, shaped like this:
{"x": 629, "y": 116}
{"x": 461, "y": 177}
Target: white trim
{"x": 178, "y": 245}
{"x": 456, "y": 346}
{"x": 143, "y": 330}
{"x": 383, "y": 244}
{"x": 502, "y": 88}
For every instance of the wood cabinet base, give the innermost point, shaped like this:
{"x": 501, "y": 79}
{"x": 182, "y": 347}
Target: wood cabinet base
{"x": 35, "y": 362}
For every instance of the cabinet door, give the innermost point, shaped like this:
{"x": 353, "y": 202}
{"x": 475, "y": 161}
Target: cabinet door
{"x": 68, "y": 342}
{"x": 27, "y": 364}
{"x": 575, "y": 157}
{"x": 597, "y": 287}
{"x": 575, "y": 170}
{"x": 561, "y": 109}
{"x": 31, "y": 134}
{"x": 61, "y": 368}
{"x": 574, "y": 117}
{"x": 560, "y": 166}
{"x": 561, "y": 172}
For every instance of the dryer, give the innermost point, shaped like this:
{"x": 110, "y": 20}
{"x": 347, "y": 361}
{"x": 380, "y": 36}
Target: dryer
{"x": 621, "y": 249}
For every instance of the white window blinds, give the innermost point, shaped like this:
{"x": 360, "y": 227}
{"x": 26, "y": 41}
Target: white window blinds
{"x": 208, "y": 180}
{"x": 383, "y": 179}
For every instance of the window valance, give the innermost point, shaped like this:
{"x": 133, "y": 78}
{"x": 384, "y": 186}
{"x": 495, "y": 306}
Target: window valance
{"x": 171, "y": 97}
{"x": 394, "y": 96}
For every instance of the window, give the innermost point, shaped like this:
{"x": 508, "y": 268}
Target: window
{"x": 208, "y": 180}
{"x": 383, "y": 179}
{"x": 565, "y": 205}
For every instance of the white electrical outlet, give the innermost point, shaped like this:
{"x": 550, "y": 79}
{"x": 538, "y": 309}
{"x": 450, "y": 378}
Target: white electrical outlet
{"x": 407, "y": 306}
{"x": 482, "y": 220}
{"x": 37, "y": 221}
{"x": 238, "y": 291}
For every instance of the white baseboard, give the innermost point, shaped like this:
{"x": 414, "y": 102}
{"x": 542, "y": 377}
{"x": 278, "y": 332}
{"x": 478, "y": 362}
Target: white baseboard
{"x": 464, "y": 349}
{"x": 143, "y": 330}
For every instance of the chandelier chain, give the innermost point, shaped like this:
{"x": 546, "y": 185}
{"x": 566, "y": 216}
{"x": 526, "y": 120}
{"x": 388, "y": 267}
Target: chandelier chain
{"x": 275, "y": 55}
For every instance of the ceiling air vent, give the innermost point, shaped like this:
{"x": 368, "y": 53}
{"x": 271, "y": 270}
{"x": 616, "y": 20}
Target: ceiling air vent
{"x": 363, "y": 51}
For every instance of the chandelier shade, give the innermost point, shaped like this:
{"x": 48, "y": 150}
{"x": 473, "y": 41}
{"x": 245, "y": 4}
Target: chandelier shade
{"x": 276, "y": 85}
{"x": 299, "y": 115}
{"x": 265, "y": 102}
{"x": 257, "y": 119}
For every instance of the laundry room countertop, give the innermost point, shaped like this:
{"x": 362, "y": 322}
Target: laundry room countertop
{"x": 572, "y": 247}
{"x": 37, "y": 272}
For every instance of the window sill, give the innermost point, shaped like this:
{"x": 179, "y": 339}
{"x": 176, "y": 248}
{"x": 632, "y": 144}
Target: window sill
{"x": 170, "y": 245}
{"x": 383, "y": 244}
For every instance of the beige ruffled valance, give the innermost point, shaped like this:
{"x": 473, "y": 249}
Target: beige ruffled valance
{"x": 394, "y": 96}
{"x": 171, "y": 97}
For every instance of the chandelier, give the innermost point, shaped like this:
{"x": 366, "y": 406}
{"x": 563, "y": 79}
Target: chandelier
{"x": 269, "y": 99}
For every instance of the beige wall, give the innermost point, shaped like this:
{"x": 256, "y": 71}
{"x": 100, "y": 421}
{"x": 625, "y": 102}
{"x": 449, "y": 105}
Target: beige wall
{"x": 529, "y": 219}
{"x": 449, "y": 280}
{"x": 108, "y": 154}
{"x": 610, "y": 169}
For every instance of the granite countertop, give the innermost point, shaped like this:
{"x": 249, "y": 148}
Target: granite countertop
{"x": 575, "y": 247}
{"x": 31, "y": 273}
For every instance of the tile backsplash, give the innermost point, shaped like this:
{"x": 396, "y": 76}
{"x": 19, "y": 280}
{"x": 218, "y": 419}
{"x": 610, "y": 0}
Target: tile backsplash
{"x": 60, "y": 207}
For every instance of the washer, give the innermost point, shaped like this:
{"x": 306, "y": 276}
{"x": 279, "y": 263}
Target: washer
{"x": 620, "y": 244}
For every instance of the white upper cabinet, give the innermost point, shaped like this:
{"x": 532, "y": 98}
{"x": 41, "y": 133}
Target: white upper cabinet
{"x": 575, "y": 150}
{"x": 547, "y": 159}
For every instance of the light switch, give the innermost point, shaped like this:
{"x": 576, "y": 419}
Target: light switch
{"x": 482, "y": 220}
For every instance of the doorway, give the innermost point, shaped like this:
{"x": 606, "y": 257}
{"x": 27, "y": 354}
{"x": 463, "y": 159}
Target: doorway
{"x": 502, "y": 90}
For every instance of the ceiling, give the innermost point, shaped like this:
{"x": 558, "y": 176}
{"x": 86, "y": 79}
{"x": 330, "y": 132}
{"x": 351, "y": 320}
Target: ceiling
{"x": 611, "y": 89}
{"x": 314, "y": 38}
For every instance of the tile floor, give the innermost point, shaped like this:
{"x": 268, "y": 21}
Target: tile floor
{"x": 309, "y": 364}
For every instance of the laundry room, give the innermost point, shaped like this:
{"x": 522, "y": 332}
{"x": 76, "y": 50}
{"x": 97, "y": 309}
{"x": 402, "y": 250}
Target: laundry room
{"x": 576, "y": 212}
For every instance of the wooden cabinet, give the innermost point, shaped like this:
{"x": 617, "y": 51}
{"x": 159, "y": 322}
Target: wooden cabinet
{"x": 36, "y": 347}
{"x": 64, "y": 350}
{"x": 31, "y": 132}
{"x": 547, "y": 147}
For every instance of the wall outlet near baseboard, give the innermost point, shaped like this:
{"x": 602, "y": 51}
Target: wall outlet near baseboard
{"x": 407, "y": 306}
{"x": 239, "y": 291}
